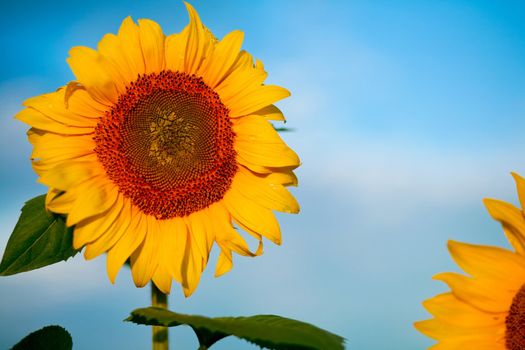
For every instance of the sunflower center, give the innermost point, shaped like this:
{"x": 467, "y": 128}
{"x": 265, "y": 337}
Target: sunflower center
{"x": 515, "y": 322}
{"x": 168, "y": 144}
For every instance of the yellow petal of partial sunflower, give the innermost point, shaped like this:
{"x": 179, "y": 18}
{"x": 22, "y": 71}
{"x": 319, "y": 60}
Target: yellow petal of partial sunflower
{"x": 152, "y": 43}
{"x": 270, "y": 195}
{"x": 486, "y": 294}
{"x": 192, "y": 267}
{"x": 224, "y": 55}
{"x": 145, "y": 259}
{"x": 469, "y": 344}
{"x": 173, "y": 246}
{"x": 450, "y": 309}
{"x": 257, "y": 143}
{"x": 127, "y": 244}
{"x": 97, "y": 74}
{"x": 162, "y": 279}
{"x": 491, "y": 262}
{"x": 252, "y": 215}
{"x": 512, "y": 220}
{"x": 520, "y": 187}
{"x": 439, "y": 330}
{"x": 96, "y": 196}
{"x": 271, "y": 113}
{"x": 91, "y": 229}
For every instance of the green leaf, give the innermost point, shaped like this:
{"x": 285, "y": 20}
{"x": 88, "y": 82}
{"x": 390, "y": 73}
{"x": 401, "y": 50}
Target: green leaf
{"x": 39, "y": 239}
{"x": 47, "y": 338}
{"x": 269, "y": 331}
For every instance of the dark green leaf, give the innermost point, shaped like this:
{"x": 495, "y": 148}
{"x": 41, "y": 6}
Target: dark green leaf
{"x": 47, "y": 338}
{"x": 39, "y": 239}
{"x": 269, "y": 331}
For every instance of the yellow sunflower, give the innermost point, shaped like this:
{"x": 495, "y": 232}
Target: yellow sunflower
{"x": 161, "y": 147}
{"x": 485, "y": 310}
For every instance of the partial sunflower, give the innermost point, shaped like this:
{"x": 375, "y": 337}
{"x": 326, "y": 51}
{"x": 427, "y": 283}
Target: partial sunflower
{"x": 161, "y": 148}
{"x": 486, "y": 310}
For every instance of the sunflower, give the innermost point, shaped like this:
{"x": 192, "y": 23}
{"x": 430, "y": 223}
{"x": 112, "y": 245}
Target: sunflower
{"x": 485, "y": 310}
{"x": 161, "y": 148}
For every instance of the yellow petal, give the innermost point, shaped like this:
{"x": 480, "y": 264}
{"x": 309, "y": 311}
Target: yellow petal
{"x": 470, "y": 343}
{"x": 129, "y": 38}
{"x": 40, "y": 121}
{"x": 174, "y": 234}
{"x": 145, "y": 259}
{"x": 270, "y": 195}
{"x": 253, "y": 100}
{"x": 69, "y": 174}
{"x": 96, "y": 196}
{"x": 197, "y": 44}
{"x": 512, "y": 220}
{"x": 226, "y": 236}
{"x": 285, "y": 178}
{"x": 439, "y": 330}
{"x": 111, "y": 48}
{"x": 450, "y": 309}
{"x": 485, "y": 294}
{"x": 80, "y": 102}
{"x": 112, "y": 235}
{"x": 97, "y": 74}
{"x": 201, "y": 232}
{"x": 91, "y": 229}
{"x": 162, "y": 279}
{"x": 243, "y": 78}
{"x": 490, "y": 262}
{"x": 53, "y": 147}
{"x": 152, "y": 43}
{"x": 60, "y": 202}
{"x": 56, "y": 106}
{"x": 224, "y": 263}
{"x": 257, "y": 143}
{"x": 128, "y": 243}
{"x": 192, "y": 267}
{"x": 271, "y": 113}
{"x": 175, "y": 49}
{"x": 222, "y": 58}
{"x": 252, "y": 215}
{"x": 520, "y": 186}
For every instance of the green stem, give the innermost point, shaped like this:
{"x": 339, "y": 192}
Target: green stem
{"x": 160, "y": 334}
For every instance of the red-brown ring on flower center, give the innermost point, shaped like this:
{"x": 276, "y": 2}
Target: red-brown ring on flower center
{"x": 168, "y": 144}
{"x": 515, "y": 322}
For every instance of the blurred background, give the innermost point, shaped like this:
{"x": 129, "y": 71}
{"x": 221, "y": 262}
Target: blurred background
{"x": 405, "y": 114}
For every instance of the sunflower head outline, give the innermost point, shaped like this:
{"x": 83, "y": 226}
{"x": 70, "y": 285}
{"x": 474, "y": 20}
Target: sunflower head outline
{"x": 161, "y": 148}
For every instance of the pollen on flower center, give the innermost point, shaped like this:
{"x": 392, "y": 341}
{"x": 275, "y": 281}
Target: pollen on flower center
{"x": 515, "y": 322}
{"x": 168, "y": 144}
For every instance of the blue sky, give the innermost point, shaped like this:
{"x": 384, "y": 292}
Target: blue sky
{"x": 406, "y": 115}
